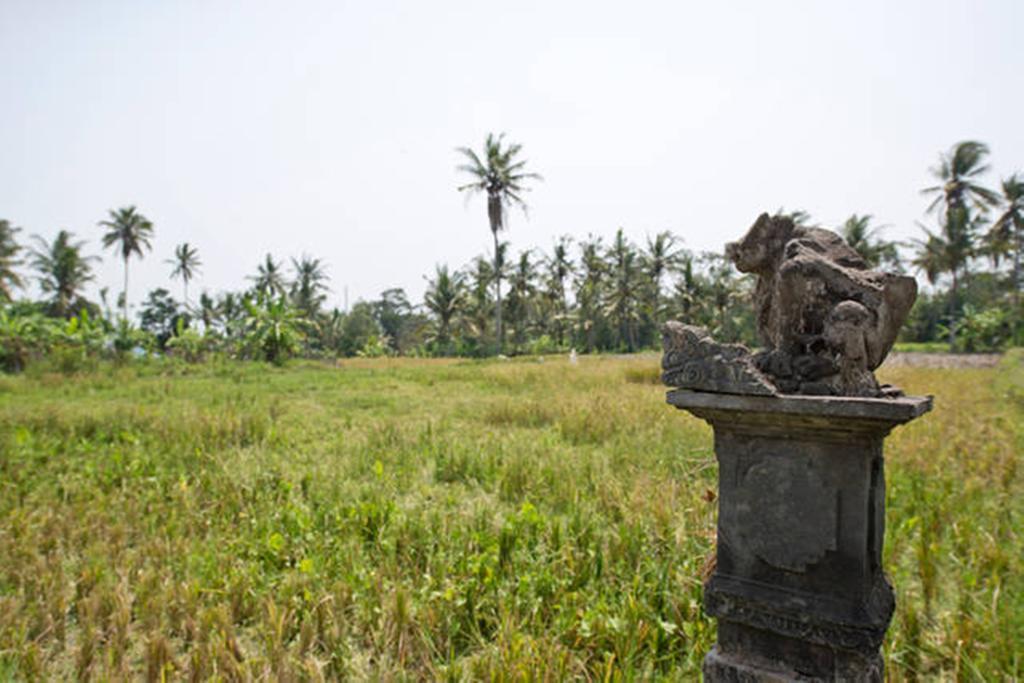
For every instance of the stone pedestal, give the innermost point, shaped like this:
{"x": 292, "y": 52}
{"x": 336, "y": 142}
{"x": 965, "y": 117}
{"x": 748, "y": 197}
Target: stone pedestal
{"x": 798, "y": 588}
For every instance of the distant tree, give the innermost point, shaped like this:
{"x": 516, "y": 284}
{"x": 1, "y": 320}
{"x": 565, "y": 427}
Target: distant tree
{"x": 274, "y": 329}
{"x": 1007, "y": 237}
{"x": 186, "y": 265}
{"x": 622, "y": 306}
{"x": 309, "y": 286}
{"x": 958, "y": 171}
{"x": 659, "y": 258}
{"x": 9, "y": 249}
{"x": 160, "y": 316}
{"x": 395, "y": 318}
{"x": 502, "y": 176}
{"x": 863, "y": 237}
{"x": 479, "y": 277}
{"x": 559, "y": 268}
{"x": 63, "y": 271}
{"x": 129, "y": 232}
{"x": 207, "y": 311}
{"x": 521, "y": 294}
{"x": 359, "y": 328}
{"x": 269, "y": 280}
{"x": 444, "y": 298}
{"x": 590, "y": 295}
{"x": 947, "y": 251}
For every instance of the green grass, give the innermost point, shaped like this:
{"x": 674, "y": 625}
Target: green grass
{"x": 401, "y": 519}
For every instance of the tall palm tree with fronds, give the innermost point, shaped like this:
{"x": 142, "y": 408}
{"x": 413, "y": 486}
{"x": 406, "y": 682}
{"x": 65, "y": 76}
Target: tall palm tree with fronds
{"x": 958, "y": 171}
{"x": 63, "y": 270}
{"x": 9, "y": 248}
{"x": 521, "y": 294}
{"x": 864, "y": 238}
{"x": 1007, "y": 236}
{"x": 129, "y": 232}
{"x": 623, "y": 295}
{"x": 186, "y": 265}
{"x": 948, "y": 251}
{"x": 445, "y": 298}
{"x": 269, "y": 280}
{"x": 309, "y": 287}
{"x": 660, "y": 257}
{"x": 559, "y": 267}
{"x": 501, "y": 175}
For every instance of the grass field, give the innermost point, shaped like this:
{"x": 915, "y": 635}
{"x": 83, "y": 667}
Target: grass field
{"x": 411, "y": 519}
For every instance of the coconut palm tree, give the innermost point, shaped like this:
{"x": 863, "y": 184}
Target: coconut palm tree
{"x": 129, "y": 232}
{"x": 186, "y": 265}
{"x": 623, "y": 296}
{"x": 559, "y": 267}
{"x": 309, "y": 287}
{"x": 269, "y": 280}
{"x": 863, "y": 237}
{"x": 958, "y": 171}
{"x": 502, "y": 176}
{"x": 948, "y": 251}
{"x": 63, "y": 271}
{"x": 1007, "y": 237}
{"x": 445, "y": 299}
{"x": 9, "y": 248}
{"x": 521, "y": 293}
{"x": 660, "y": 257}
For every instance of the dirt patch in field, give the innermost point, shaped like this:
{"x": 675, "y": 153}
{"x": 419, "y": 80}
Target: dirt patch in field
{"x": 942, "y": 360}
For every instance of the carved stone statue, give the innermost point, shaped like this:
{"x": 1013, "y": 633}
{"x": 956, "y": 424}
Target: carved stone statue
{"x": 826, "y": 319}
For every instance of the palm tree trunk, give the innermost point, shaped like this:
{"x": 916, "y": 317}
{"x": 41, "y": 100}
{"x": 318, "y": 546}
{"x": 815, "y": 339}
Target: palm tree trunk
{"x": 124, "y": 294}
{"x": 1015, "y": 292}
{"x": 497, "y": 288}
{"x": 952, "y": 312}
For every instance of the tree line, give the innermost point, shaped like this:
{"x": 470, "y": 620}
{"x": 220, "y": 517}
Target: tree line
{"x": 583, "y": 293}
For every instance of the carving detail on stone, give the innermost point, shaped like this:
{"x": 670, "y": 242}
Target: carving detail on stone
{"x": 794, "y": 522}
{"x": 693, "y": 360}
{"x": 859, "y": 638}
{"x": 826, "y": 319}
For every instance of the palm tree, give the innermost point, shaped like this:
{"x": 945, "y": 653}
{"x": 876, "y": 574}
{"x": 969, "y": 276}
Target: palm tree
{"x": 861, "y": 235}
{"x": 958, "y": 171}
{"x": 308, "y": 290}
{"x": 268, "y": 278}
{"x": 9, "y": 249}
{"x": 444, "y": 298}
{"x": 660, "y": 257}
{"x": 502, "y": 177}
{"x": 623, "y": 297}
{"x": 186, "y": 265}
{"x": 559, "y": 267}
{"x": 590, "y": 289}
{"x": 130, "y": 232}
{"x": 63, "y": 270}
{"x": 948, "y": 251}
{"x": 521, "y": 292}
{"x": 1007, "y": 236}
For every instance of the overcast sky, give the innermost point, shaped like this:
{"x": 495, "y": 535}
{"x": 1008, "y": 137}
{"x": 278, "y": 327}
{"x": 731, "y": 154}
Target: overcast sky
{"x": 328, "y": 128}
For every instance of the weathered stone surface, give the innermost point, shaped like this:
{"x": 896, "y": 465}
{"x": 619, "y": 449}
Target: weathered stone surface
{"x": 798, "y": 587}
{"x": 825, "y": 318}
{"x": 693, "y": 360}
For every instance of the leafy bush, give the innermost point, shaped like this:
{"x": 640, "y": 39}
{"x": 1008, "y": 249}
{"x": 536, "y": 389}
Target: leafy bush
{"x": 273, "y": 329}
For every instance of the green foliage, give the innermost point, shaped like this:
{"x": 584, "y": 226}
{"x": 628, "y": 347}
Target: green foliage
{"x": 274, "y": 329}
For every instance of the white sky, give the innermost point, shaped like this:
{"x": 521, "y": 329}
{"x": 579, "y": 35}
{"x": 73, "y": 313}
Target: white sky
{"x": 329, "y": 128}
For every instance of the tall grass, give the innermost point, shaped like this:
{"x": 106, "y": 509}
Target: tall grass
{"x": 455, "y": 520}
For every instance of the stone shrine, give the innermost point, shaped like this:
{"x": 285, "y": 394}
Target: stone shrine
{"x": 798, "y": 587}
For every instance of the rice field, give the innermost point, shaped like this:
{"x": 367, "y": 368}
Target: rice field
{"x": 400, "y": 519}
